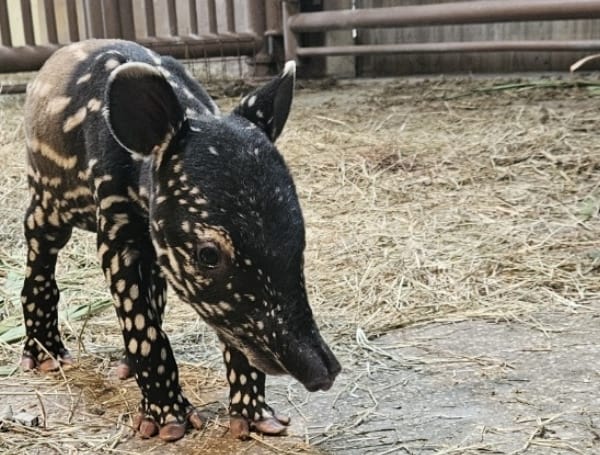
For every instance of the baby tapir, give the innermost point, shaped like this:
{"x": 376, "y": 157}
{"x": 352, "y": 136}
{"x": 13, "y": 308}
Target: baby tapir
{"x": 125, "y": 143}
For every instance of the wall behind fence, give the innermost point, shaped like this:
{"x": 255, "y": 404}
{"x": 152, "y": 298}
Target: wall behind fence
{"x": 391, "y": 65}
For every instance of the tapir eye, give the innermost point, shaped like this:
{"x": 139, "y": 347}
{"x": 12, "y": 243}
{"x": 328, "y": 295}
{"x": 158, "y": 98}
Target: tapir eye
{"x": 208, "y": 255}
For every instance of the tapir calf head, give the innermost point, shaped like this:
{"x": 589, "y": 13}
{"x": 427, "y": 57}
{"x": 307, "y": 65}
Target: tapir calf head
{"x": 225, "y": 218}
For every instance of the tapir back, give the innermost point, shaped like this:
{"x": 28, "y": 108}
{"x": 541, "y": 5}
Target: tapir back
{"x": 66, "y": 132}
{"x": 52, "y": 114}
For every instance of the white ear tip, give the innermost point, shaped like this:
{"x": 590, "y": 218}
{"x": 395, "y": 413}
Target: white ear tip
{"x": 290, "y": 68}
{"x": 134, "y": 70}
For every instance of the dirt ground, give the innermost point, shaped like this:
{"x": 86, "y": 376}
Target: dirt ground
{"x": 452, "y": 262}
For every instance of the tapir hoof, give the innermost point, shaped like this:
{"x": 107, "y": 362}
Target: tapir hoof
{"x": 124, "y": 370}
{"x": 240, "y": 427}
{"x": 169, "y": 432}
{"x": 64, "y": 360}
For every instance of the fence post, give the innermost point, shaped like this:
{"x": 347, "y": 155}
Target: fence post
{"x": 5, "y": 35}
{"x": 150, "y": 19}
{"x": 51, "y": 21}
{"x": 27, "y": 23}
{"x": 263, "y": 60}
{"x": 112, "y": 21}
{"x": 290, "y": 41}
{"x": 127, "y": 22}
{"x": 312, "y": 66}
{"x": 274, "y": 32}
{"x": 72, "y": 21}
{"x": 94, "y": 18}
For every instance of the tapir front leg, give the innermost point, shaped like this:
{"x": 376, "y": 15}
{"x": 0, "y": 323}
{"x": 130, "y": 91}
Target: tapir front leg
{"x": 128, "y": 259}
{"x": 247, "y": 407}
{"x": 158, "y": 298}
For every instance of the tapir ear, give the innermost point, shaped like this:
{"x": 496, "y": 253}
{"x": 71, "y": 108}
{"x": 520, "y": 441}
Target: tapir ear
{"x": 268, "y": 107}
{"x": 143, "y": 112}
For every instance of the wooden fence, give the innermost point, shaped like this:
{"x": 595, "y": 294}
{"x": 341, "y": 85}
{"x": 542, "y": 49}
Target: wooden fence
{"x": 30, "y": 30}
{"x": 395, "y": 37}
{"x": 340, "y": 37}
{"x": 477, "y": 62}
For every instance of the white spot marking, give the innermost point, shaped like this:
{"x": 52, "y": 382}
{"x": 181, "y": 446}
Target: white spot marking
{"x": 86, "y": 77}
{"x": 75, "y": 120}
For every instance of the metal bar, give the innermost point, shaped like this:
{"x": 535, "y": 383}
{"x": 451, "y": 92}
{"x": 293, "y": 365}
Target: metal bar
{"x": 290, "y": 40}
{"x": 464, "y": 46}
{"x": 96, "y": 22}
{"x": 127, "y": 21}
{"x": 172, "y": 13}
{"x": 5, "y": 36}
{"x": 262, "y": 61}
{"x": 51, "y": 21}
{"x": 112, "y": 22}
{"x": 193, "y": 17}
{"x": 72, "y": 21}
{"x": 31, "y": 58}
{"x": 27, "y": 22}
{"x": 477, "y": 12}
{"x": 212, "y": 17}
{"x": 230, "y": 12}
{"x": 150, "y": 18}
{"x": 220, "y": 46}
{"x": 24, "y": 58}
{"x": 11, "y": 89}
{"x": 273, "y": 16}
{"x": 256, "y": 16}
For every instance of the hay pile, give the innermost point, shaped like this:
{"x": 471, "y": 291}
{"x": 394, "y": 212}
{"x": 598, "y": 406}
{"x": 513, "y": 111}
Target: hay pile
{"x": 424, "y": 201}
{"x": 422, "y": 209}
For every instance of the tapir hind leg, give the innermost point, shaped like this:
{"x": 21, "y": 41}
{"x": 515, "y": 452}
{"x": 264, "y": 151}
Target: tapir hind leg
{"x": 45, "y": 235}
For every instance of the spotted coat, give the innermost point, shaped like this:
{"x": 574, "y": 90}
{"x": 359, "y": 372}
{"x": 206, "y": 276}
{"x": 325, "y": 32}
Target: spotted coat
{"x": 125, "y": 143}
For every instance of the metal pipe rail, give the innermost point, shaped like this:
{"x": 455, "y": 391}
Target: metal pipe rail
{"x": 460, "y": 46}
{"x": 479, "y": 12}
{"x": 232, "y": 44}
{"x": 457, "y": 13}
{"x": 115, "y": 19}
{"x": 31, "y": 58}
{"x": 24, "y": 58}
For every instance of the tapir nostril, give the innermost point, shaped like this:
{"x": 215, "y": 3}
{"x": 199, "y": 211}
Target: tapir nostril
{"x": 323, "y": 385}
{"x": 330, "y": 361}
{"x": 317, "y": 367}
{"x": 325, "y": 378}
{"x": 334, "y": 367}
